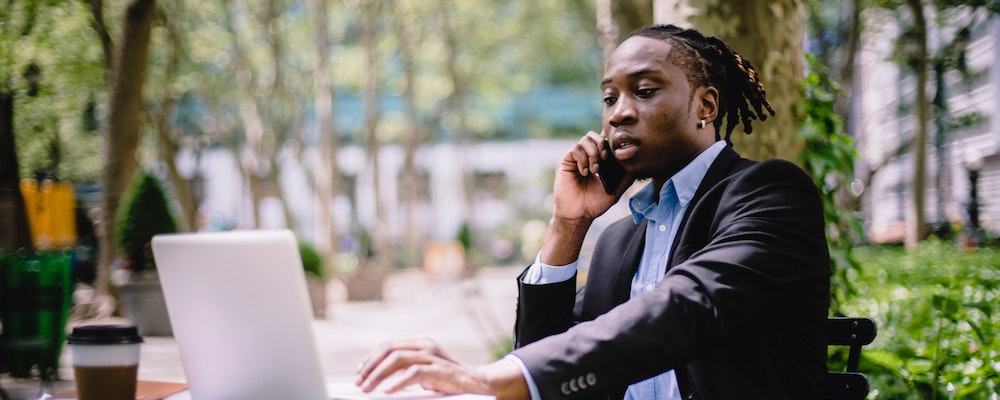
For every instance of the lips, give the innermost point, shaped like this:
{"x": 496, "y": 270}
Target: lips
{"x": 624, "y": 147}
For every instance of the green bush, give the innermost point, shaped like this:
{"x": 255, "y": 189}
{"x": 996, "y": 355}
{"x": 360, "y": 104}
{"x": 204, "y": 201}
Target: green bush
{"x": 938, "y": 320}
{"x": 144, "y": 213}
{"x": 828, "y": 157}
{"x": 312, "y": 262}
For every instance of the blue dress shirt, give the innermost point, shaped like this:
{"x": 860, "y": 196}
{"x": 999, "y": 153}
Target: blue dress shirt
{"x": 663, "y": 213}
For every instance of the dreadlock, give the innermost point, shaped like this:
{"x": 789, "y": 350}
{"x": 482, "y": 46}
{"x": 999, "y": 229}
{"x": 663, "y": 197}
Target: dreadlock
{"x": 708, "y": 61}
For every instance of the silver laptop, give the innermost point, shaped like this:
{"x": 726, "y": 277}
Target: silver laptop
{"x": 240, "y": 314}
{"x": 241, "y": 318}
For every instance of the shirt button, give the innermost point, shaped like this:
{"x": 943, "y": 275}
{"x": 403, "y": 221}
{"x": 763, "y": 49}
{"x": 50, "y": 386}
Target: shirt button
{"x": 663, "y": 228}
{"x": 649, "y": 287}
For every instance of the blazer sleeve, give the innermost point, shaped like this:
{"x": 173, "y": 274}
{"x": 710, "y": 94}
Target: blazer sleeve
{"x": 764, "y": 238}
{"x": 543, "y": 310}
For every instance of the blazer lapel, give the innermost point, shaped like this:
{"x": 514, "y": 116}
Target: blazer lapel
{"x": 630, "y": 259}
{"x": 612, "y": 267}
{"x": 720, "y": 168}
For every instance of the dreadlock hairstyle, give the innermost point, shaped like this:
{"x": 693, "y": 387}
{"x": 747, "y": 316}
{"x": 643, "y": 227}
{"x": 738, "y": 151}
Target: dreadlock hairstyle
{"x": 708, "y": 61}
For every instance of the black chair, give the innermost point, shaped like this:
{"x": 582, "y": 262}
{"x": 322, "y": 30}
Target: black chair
{"x": 855, "y": 333}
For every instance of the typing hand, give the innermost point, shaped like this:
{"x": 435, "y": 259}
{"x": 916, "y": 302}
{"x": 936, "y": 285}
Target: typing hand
{"x": 396, "y": 365}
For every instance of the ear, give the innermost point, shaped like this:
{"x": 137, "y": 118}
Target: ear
{"x": 707, "y": 104}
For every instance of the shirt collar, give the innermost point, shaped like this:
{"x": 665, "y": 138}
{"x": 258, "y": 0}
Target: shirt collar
{"x": 685, "y": 182}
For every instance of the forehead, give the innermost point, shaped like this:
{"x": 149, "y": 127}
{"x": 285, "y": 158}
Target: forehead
{"x": 639, "y": 56}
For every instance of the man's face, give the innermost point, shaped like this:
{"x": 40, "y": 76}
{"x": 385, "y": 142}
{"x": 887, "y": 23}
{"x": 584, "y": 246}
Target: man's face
{"x": 650, "y": 113}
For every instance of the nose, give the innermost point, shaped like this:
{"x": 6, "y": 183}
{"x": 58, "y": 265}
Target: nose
{"x": 622, "y": 112}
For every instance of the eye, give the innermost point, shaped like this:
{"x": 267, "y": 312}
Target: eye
{"x": 609, "y": 100}
{"x": 645, "y": 92}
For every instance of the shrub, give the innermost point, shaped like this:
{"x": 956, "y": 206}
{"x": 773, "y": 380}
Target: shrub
{"x": 144, "y": 213}
{"x": 312, "y": 262}
{"x": 938, "y": 320}
{"x": 828, "y": 157}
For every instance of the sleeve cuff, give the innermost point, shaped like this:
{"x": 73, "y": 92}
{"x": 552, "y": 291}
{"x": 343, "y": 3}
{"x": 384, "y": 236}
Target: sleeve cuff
{"x": 532, "y": 388}
{"x": 540, "y": 273}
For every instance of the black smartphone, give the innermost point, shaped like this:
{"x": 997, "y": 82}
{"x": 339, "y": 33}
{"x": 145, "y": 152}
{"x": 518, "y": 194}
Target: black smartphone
{"x": 611, "y": 174}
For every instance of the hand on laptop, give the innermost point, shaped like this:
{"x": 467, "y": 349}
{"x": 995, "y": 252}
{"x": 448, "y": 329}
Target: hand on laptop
{"x": 398, "y": 364}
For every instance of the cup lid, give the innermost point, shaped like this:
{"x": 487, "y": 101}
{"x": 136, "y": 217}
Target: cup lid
{"x": 104, "y": 334}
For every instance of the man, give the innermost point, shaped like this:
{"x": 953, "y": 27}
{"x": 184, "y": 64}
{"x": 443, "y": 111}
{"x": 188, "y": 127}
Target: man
{"x": 715, "y": 288}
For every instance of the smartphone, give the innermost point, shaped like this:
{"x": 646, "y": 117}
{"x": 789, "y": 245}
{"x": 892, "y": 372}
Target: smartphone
{"x": 611, "y": 174}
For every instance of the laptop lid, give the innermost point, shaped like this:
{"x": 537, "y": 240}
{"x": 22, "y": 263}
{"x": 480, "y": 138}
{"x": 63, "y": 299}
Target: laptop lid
{"x": 240, "y": 314}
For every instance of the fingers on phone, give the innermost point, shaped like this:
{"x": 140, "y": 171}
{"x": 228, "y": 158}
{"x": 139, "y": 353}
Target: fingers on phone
{"x": 596, "y": 147}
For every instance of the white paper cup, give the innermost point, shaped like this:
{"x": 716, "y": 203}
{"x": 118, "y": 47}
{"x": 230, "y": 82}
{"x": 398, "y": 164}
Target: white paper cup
{"x": 105, "y": 361}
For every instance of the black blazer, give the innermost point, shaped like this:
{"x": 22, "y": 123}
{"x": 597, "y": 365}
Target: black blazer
{"x": 740, "y": 313}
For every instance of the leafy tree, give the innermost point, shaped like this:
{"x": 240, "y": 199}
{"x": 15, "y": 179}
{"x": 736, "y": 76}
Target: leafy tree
{"x": 208, "y": 61}
{"x": 49, "y": 76}
{"x": 326, "y": 178}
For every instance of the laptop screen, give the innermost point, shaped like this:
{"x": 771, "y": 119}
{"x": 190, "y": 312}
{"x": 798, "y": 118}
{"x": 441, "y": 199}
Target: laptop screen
{"x": 240, "y": 314}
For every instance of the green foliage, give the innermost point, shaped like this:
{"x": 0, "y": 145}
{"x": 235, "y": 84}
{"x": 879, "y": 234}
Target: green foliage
{"x": 312, "y": 261}
{"x": 938, "y": 320}
{"x": 144, "y": 213}
{"x": 501, "y": 348}
{"x": 465, "y": 236}
{"x": 55, "y": 133}
{"x": 828, "y": 157}
{"x": 51, "y": 135}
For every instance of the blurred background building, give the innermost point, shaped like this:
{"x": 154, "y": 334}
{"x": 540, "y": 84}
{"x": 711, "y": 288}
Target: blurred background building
{"x": 963, "y": 165}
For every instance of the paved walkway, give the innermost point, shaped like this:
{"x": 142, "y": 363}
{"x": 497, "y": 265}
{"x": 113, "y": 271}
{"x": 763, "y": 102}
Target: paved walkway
{"x": 468, "y": 317}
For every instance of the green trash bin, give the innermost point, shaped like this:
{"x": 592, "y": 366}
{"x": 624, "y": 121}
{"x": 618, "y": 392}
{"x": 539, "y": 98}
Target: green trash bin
{"x": 35, "y": 300}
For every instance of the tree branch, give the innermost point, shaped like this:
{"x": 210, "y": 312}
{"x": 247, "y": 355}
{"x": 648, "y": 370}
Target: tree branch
{"x": 97, "y": 10}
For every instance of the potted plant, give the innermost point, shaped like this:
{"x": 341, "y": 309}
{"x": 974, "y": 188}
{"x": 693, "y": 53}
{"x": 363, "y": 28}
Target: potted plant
{"x": 144, "y": 213}
{"x": 312, "y": 262}
{"x": 365, "y": 276}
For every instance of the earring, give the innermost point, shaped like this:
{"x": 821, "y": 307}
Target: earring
{"x": 701, "y": 124}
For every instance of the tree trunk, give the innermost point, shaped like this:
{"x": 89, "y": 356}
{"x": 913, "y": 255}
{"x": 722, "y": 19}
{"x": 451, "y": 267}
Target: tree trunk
{"x": 915, "y": 220}
{"x": 326, "y": 178}
{"x": 845, "y": 105}
{"x": 13, "y": 221}
{"x": 775, "y": 49}
{"x": 258, "y": 161}
{"x": 283, "y": 119}
{"x": 630, "y": 15}
{"x": 107, "y": 45}
{"x": 465, "y": 138}
{"x": 409, "y": 189}
{"x": 607, "y": 27}
{"x": 186, "y": 197}
{"x": 124, "y": 124}
{"x": 379, "y": 234}
{"x": 847, "y": 70}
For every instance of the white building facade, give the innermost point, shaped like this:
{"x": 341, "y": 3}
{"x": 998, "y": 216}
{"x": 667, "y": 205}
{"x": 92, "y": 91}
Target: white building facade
{"x": 886, "y": 125}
